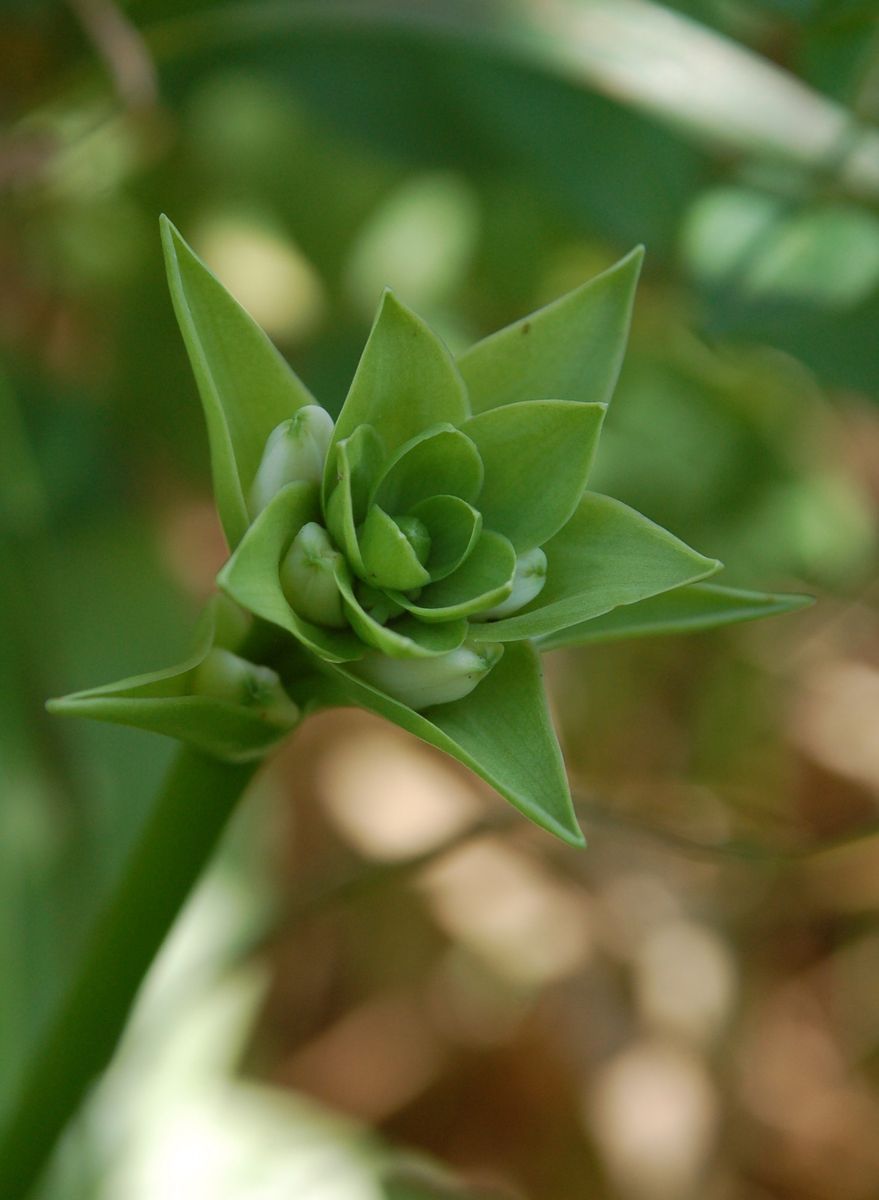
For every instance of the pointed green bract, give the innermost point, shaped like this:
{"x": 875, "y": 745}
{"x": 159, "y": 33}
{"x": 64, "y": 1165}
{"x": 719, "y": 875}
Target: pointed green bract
{"x": 228, "y": 724}
{"x": 606, "y": 555}
{"x": 453, "y": 525}
{"x": 690, "y": 609}
{"x": 536, "y": 456}
{"x": 572, "y": 349}
{"x": 405, "y": 382}
{"x": 246, "y": 387}
{"x": 252, "y": 575}
{"x": 438, "y": 461}
{"x": 501, "y": 730}
{"x": 356, "y": 461}
{"x": 483, "y": 579}
{"x": 388, "y": 556}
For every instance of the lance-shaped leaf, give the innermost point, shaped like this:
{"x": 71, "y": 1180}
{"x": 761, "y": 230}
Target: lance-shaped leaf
{"x": 213, "y": 700}
{"x": 246, "y": 387}
{"x": 536, "y": 456}
{"x": 572, "y": 348}
{"x": 501, "y": 730}
{"x": 606, "y": 555}
{"x": 252, "y": 575}
{"x": 405, "y": 382}
{"x": 689, "y": 609}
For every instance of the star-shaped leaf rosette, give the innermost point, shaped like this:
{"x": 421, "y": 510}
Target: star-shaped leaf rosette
{"x": 414, "y": 556}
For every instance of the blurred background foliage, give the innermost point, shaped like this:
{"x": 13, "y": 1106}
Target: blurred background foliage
{"x": 388, "y": 989}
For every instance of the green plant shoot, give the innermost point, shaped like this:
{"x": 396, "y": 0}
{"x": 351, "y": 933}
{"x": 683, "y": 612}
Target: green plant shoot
{"x": 416, "y": 556}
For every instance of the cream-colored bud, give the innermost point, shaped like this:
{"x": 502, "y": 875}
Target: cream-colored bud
{"x": 308, "y": 577}
{"x": 224, "y": 676}
{"x": 528, "y": 583}
{"x": 295, "y": 452}
{"x": 422, "y": 682}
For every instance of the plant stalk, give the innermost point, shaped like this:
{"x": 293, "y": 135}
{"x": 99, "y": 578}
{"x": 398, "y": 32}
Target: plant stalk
{"x": 178, "y": 838}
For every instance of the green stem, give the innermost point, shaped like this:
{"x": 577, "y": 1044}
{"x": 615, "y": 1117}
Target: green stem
{"x": 177, "y": 840}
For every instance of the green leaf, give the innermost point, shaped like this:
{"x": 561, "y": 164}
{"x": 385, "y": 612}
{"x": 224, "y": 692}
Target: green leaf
{"x": 606, "y": 555}
{"x": 405, "y": 382}
{"x": 246, "y": 387}
{"x": 572, "y": 349}
{"x": 686, "y": 609}
{"x": 438, "y": 461}
{"x": 406, "y": 637}
{"x": 165, "y": 702}
{"x": 251, "y": 576}
{"x": 356, "y": 461}
{"x": 536, "y": 456}
{"x": 388, "y": 556}
{"x": 484, "y": 579}
{"x": 501, "y": 730}
{"x": 453, "y": 525}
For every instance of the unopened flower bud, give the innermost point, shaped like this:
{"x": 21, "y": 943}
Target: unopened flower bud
{"x": 528, "y": 583}
{"x": 422, "y": 682}
{"x": 308, "y": 577}
{"x": 295, "y": 452}
{"x": 224, "y": 676}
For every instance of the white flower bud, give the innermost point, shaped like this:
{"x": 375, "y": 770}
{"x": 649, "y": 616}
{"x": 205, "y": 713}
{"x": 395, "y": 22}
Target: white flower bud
{"x": 422, "y": 682}
{"x": 528, "y": 582}
{"x": 308, "y": 577}
{"x": 295, "y": 452}
{"x": 224, "y": 676}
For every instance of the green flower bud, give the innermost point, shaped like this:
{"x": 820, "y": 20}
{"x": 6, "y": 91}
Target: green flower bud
{"x": 308, "y": 577}
{"x": 422, "y": 682}
{"x": 224, "y": 676}
{"x": 295, "y": 452}
{"x": 528, "y": 583}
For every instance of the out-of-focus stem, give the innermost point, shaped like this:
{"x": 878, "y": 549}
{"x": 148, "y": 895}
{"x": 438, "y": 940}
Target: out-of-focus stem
{"x": 177, "y": 840}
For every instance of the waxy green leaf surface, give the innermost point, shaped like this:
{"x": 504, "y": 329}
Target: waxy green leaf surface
{"x": 572, "y": 349}
{"x": 607, "y": 555}
{"x": 246, "y": 387}
{"x": 502, "y": 731}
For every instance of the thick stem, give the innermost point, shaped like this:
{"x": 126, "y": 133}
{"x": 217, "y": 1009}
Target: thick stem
{"x": 177, "y": 840}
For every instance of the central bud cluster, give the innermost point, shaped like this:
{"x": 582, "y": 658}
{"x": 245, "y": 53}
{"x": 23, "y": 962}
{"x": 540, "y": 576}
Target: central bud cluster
{"x": 392, "y": 550}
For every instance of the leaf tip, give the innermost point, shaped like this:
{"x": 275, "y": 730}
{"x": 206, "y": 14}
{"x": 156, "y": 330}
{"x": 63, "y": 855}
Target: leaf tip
{"x": 572, "y": 837}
